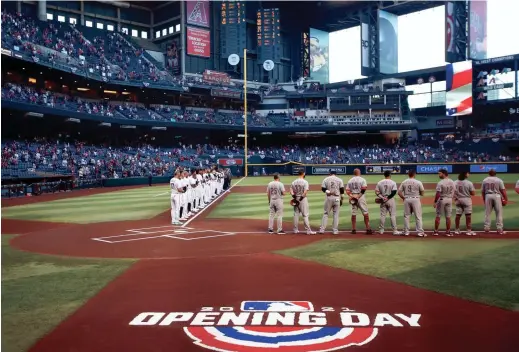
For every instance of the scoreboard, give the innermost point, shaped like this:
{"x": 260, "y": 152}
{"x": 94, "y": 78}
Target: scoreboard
{"x": 268, "y": 35}
{"x": 233, "y": 32}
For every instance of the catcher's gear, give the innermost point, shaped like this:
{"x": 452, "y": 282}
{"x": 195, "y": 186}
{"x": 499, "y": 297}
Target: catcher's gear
{"x": 294, "y": 202}
{"x": 379, "y": 200}
{"x": 354, "y": 201}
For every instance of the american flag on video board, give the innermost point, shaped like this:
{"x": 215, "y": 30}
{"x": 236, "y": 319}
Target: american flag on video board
{"x": 459, "y": 88}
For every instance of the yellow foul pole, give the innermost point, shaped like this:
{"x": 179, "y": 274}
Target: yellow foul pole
{"x": 245, "y": 107}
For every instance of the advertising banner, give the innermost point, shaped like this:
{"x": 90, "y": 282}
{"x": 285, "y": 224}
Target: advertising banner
{"x": 216, "y": 77}
{"x": 487, "y": 167}
{"x": 297, "y": 168}
{"x": 478, "y": 29}
{"x": 381, "y": 169}
{"x": 225, "y": 93}
{"x": 432, "y": 169}
{"x": 319, "y": 55}
{"x": 197, "y": 13}
{"x": 230, "y": 162}
{"x": 340, "y": 170}
{"x": 459, "y": 88}
{"x": 445, "y": 123}
{"x": 388, "y": 42}
{"x": 198, "y": 42}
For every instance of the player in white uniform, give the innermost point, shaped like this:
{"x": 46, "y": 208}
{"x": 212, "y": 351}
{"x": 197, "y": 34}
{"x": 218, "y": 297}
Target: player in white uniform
{"x": 207, "y": 187}
{"x": 176, "y": 190}
{"x": 355, "y": 188}
{"x": 199, "y": 191}
{"x": 192, "y": 192}
{"x": 517, "y": 187}
{"x": 183, "y": 207}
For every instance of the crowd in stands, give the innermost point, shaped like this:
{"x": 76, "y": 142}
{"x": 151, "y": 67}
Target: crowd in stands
{"x": 57, "y": 157}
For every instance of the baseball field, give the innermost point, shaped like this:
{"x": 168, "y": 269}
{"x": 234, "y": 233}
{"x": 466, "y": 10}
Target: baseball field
{"x": 103, "y": 270}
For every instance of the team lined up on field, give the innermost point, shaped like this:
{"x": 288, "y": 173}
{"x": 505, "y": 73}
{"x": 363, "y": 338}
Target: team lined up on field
{"x": 448, "y": 191}
{"x": 191, "y": 192}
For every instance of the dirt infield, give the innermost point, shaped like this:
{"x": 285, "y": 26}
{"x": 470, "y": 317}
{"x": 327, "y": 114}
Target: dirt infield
{"x": 222, "y": 269}
{"x": 47, "y": 197}
{"x": 103, "y": 324}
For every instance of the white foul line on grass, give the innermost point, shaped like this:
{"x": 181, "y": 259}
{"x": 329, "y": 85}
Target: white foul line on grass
{"x": 210, "y": 204}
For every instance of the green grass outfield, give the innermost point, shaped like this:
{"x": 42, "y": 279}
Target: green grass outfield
{"x": 131, "y": 204}
{"x": 485, "y": 271}
{"x": 38, "y": 292}
{"x": 255, "y": 206}
{"x": 371, "y": 179}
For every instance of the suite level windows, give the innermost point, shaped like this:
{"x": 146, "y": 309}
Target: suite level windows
{"x": 164, "y": 32}
{"x": 157, "y": 34}
{"x": 61, "y": 19}
{"x": 171, "y": 30}
{"x": 144, "y": 35}
{"x": 89, "y": 24}
{"x": 99, "y": 25}
{"x": 72, "y": 20}
{"x": 110, "y": 27}
{"x": 177, "y": 27}
{"x": 135, "y": 33}
{"x": 50, "y": 17}
{"x": 124, "y": 30}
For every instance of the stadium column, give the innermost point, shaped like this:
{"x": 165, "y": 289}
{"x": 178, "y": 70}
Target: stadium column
{"x": 42, "y": 10}
{"x": 19, "y": 6}
{"x": 183, "y": 37}
{"x": 245, "y": 149}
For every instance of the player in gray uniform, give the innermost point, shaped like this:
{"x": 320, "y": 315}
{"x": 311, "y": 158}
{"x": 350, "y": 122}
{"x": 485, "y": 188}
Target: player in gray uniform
{"x": 463, "y": 191}
{"x": 275, "y": 193}
{"x": 299, "y": 189}
{"x": 443, "y": 202}
{"x": 333, "y": 187}
{"x": 517, "y": 187}
{"x": 410, "y": 191}
{"x": 494, "y": 197}
{"x": 386, "y": 189}
{"x": 356, "y": 188}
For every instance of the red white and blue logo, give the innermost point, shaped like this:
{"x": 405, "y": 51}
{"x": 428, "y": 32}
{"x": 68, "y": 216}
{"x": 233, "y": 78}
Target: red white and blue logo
{"x": 284, "y": 326}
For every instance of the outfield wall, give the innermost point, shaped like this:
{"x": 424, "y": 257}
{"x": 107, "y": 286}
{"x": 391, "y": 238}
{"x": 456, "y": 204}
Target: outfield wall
{"x": 378, "y": 169}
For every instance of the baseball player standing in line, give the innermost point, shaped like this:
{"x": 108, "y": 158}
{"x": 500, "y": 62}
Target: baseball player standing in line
{"x": 355, "y": 189}
{"x": 517, "y": 187}
{"x": 176, "y": 190}
{"x": 207, "y": 187}
{"x": 410, "y": 191}
{"x": 275, "y": 193}
{"x": 333, "y": 187}
{"x": 193, "y": 186}
{"x": 443, "y": 202}
{"x": 299, "y": 189}
{"x": 463, "y": 191}
{"x": 386, "y": 190}
{"x": 494, "y": 197}
{"x": 199, "y": 190}
{"x": 183, "y": 197}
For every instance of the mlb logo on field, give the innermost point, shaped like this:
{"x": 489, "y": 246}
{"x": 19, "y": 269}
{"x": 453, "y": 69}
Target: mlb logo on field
{"x": 277, "y": 306}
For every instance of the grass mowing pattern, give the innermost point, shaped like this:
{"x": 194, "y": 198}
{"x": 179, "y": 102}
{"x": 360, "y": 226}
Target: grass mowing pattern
{"x": 483, "y": 271}
{"x": 39, "y": 292}
{"x": 132, "y": 204}
{"x": 255, "y": 206}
